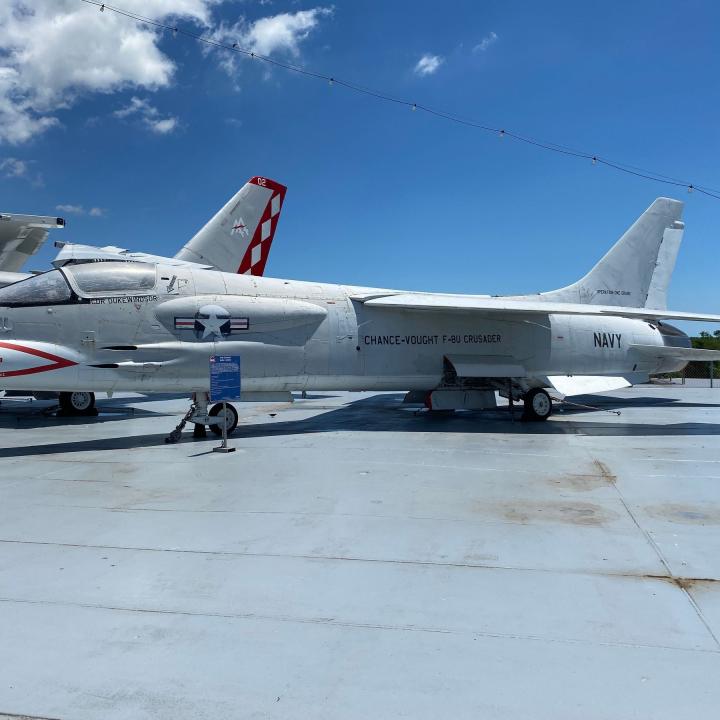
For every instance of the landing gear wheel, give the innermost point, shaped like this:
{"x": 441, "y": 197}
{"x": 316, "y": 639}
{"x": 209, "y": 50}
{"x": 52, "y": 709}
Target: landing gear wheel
{"x": 538, "y": 405}
{"x": 77, "y": 403}
{"x": 230, "y": 418}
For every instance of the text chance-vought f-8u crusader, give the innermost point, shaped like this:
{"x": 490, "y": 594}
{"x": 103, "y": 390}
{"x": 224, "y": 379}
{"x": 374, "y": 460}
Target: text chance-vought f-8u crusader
{"x": 141, "y": 326}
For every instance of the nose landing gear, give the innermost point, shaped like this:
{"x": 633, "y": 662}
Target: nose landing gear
{"x": 218, "y": 419}
{"x": 228, "y": 417}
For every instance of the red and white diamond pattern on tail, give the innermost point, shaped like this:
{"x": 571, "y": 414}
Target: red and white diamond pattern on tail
{"x": 253, "y": 262}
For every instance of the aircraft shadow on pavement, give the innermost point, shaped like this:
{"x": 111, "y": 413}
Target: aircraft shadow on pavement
{"x": 80, "y": 446}
{"x": 604, "y": 402}
{"x": 386, "y": 413}
{"x": 32, "y": 416}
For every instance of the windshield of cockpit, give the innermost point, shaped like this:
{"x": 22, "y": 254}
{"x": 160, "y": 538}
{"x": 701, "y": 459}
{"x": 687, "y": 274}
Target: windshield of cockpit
{"x": 110, "y": 278}
{"x": 49, "y": 288}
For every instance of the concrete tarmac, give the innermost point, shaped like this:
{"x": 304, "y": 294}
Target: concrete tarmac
{"x": 356, "y": 559}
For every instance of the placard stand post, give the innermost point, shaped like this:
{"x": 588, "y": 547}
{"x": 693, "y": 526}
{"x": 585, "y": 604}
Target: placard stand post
{"x": 224, "y": 446}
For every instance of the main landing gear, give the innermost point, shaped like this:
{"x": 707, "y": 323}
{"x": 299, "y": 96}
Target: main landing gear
{"x": 446, "y": 399}
{"x": 77, "y": 403}
{"x": 537, "y": 405}
{"x": 198, "y": 414}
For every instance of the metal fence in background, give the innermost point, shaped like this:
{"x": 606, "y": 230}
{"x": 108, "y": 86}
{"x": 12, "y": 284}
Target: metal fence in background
{"x": 695, "y": 374}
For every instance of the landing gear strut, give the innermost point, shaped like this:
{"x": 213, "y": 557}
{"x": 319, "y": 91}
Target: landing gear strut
{"x": 77, "y": 403}
{"x": 538, "y": 405}
{"x": 199, "y": 415}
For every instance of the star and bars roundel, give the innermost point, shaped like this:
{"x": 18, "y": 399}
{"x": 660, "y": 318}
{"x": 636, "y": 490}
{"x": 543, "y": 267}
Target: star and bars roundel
{"x": 212, "y": 321}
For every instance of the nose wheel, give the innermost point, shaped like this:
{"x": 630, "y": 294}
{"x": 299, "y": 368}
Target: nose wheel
{"x": 538, "y": 405}
{"x": 220, "y": 417}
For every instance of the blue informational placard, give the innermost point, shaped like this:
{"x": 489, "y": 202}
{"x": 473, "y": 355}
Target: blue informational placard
{"x": 224, "y": 378}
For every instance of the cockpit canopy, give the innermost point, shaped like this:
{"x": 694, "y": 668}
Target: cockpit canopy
{"x": 85, "y": 280}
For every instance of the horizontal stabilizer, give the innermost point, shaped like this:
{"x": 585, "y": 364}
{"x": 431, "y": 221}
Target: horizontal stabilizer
{"x": 679, "y": 353}
{"x": 568, "y": 385}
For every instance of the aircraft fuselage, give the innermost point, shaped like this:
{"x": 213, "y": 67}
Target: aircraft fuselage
{"x": 291, "y": 336}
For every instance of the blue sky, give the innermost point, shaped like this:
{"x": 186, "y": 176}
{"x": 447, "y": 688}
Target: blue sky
{"x": 379, "y": 195}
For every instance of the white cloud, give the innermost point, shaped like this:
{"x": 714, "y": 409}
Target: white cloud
{"x": 53, "y": 51}
{"x": 486, "y": 42}
{"x": 12, "y": 167}
{"x": 281, "y": 33}
{"x": 80, "y": 210}
{"x": 149, "y": 116}
{"x": 428, "y": 64}
{"x": 71, "y": 209}
{"x": 163, "y": 127}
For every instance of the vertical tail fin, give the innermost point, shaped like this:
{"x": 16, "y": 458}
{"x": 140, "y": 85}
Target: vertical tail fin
{"x": 238, "y": 238}
{"x": 636, "y": 271}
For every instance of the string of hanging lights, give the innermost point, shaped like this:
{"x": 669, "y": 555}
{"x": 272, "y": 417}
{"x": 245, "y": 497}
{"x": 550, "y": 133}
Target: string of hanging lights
{"x": 333, "y": 80}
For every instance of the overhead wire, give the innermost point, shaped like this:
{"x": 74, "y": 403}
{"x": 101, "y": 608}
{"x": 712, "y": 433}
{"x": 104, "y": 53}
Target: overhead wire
{"x": 389, "y": 98}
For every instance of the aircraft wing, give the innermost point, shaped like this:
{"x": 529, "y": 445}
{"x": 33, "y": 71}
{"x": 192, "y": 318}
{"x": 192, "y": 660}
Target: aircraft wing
{"x": 21, "y": 236}
{"x": 485, "y": 305}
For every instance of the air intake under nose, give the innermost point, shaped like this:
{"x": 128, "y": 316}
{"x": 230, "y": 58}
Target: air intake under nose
{"x": 673, "y": 337}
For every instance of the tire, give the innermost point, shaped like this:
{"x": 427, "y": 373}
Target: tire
{"x": 538, "y": 405}
{"x": 77, "y": 403}
{"x": 216, "y": 411}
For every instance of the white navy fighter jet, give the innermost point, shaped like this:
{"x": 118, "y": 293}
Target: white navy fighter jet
{"x": 139, "y": 326}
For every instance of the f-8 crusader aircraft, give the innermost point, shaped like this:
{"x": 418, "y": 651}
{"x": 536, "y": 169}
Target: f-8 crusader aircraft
{"x": 138, "y": 326}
